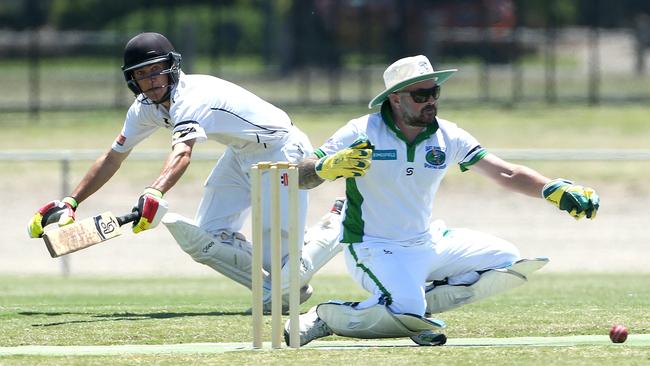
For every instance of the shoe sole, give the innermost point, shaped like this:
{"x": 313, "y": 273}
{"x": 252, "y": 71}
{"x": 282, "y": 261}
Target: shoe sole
{"x": 439, "y": 340}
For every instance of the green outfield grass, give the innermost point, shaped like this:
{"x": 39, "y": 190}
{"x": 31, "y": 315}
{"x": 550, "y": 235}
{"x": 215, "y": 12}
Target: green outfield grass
{"x": 530, "y": 126}
{"x": 92, "y": 81}
{"x": 59, "y": 311}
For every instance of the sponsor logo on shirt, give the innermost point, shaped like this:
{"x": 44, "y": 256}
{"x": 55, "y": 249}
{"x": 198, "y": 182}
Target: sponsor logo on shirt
{"x": 120, "y": 139}
{"x": 184, "y": 132}
{"x": 435, "y": 157}
{"x": 384, "y": 155}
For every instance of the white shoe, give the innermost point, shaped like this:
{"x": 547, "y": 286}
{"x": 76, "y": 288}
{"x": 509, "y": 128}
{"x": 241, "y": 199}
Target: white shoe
{"x": 311, "y": 327}
{"x": 429, "y": 338}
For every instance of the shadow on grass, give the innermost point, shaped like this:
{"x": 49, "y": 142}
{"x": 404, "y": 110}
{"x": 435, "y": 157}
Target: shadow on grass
{"x": 126, "y": 316}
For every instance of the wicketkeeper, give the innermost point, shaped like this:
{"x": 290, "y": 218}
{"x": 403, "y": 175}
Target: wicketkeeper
{"x": 411, "y": 266}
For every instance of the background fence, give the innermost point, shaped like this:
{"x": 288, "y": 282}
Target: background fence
{"x": 59, "y": 54}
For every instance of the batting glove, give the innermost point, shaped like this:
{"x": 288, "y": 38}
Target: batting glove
{"x": 352, "y": 161}
{"x": 152, "y": 207}
{"x": 577, "y": 200}
{"x": 61, "y": 212}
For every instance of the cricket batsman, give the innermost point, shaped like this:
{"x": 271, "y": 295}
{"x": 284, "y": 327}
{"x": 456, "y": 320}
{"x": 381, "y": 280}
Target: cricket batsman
{"x": 196, "y": 108}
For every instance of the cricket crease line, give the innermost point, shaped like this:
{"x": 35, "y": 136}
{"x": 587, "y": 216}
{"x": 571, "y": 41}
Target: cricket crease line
{"x": 634, "y": 340}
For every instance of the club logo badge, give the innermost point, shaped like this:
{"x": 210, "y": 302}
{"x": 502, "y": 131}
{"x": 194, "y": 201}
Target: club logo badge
{"x": 423, "y": 67}
{"x": 435, "y": 157}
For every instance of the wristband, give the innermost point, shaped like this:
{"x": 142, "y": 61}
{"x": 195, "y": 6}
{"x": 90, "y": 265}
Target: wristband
{"x": 71, "y": 201}
{"x": 153, "y": 191}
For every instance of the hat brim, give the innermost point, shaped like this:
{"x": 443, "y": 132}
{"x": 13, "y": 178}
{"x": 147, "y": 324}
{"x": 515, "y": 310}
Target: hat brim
{"x": 438, "y": 76}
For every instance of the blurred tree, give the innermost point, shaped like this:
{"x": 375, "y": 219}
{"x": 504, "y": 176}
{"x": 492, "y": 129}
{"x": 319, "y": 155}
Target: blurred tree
{"x": 565, "y": 12}
{"x": 94, "y": 14}
{"x": 234, "y": 26}
{"x": 23, "y": 14}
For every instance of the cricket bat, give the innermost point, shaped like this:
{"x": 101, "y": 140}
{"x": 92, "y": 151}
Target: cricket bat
{"x": 85, "y": 233}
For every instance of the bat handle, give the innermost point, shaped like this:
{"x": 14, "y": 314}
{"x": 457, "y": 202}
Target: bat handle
{"x": 130, "y": 217}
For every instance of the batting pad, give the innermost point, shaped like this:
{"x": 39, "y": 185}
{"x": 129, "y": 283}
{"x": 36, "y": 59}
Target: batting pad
{"x": 321, "y": 245}
{"x": 226, "y": 252}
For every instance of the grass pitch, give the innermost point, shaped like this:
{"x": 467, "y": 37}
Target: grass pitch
{"x": 554, "y": 319}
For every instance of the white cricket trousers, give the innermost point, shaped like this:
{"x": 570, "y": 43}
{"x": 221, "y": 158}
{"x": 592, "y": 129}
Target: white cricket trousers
{"x": 397, "y": 273}
{"x": 226, "y": 199}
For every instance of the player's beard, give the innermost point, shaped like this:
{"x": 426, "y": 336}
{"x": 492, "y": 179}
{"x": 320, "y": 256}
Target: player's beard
{"x": 426, "y": 117}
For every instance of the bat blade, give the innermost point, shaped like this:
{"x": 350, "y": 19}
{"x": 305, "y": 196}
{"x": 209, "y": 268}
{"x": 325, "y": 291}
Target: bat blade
{"x": 84, "y": 233}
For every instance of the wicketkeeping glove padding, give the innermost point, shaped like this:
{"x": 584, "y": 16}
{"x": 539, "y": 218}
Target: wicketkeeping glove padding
{"x": 577, "y": 200}
{"x": 152, "y": 207}
{"x": 352, "y": 161}
{"x": 61, "y": 212}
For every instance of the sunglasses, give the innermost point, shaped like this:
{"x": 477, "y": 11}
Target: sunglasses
{"x": 422, "y": 95}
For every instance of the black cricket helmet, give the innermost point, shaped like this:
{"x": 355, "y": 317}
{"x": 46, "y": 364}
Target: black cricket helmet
{"x": 146, "y": 49}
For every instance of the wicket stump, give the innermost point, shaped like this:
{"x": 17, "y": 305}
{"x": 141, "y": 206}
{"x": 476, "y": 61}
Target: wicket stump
{"x": 289, "y": 178}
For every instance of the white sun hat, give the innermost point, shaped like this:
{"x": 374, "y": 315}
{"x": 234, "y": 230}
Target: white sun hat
{"x": 407, "y": 71}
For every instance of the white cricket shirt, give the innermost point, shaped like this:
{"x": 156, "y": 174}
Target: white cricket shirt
{"x": 394, "y": 199}
{"x": 205, "y": 107}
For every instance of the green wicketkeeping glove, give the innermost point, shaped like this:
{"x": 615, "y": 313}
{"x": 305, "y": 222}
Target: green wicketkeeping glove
{"x": 352, "y": 161}
{"x": 577, "y": 200}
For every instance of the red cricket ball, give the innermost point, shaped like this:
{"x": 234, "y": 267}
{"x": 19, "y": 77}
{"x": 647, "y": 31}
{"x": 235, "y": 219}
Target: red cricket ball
{"x": 618, "y": 333}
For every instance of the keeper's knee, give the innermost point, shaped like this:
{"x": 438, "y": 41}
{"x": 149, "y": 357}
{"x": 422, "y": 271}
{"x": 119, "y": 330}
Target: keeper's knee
{"x": 408, "y": 303}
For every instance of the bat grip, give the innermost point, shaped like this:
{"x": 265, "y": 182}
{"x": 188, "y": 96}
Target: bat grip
{"x": 130, "y": 217}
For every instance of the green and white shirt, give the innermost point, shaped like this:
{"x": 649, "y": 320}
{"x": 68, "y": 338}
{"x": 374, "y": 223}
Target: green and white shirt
{"x": 394, "y": 199}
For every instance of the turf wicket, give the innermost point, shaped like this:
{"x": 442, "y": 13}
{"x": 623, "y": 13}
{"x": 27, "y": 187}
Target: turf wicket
{"x": 287, "y": 174}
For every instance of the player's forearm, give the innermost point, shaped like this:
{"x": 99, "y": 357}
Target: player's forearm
{"x": 174, "y": 168}
{"x": 524, "y": 180}
{"x": 99, "y": 173}
{"x": 514, "y": 177}
{"x": 307, "y": 177}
